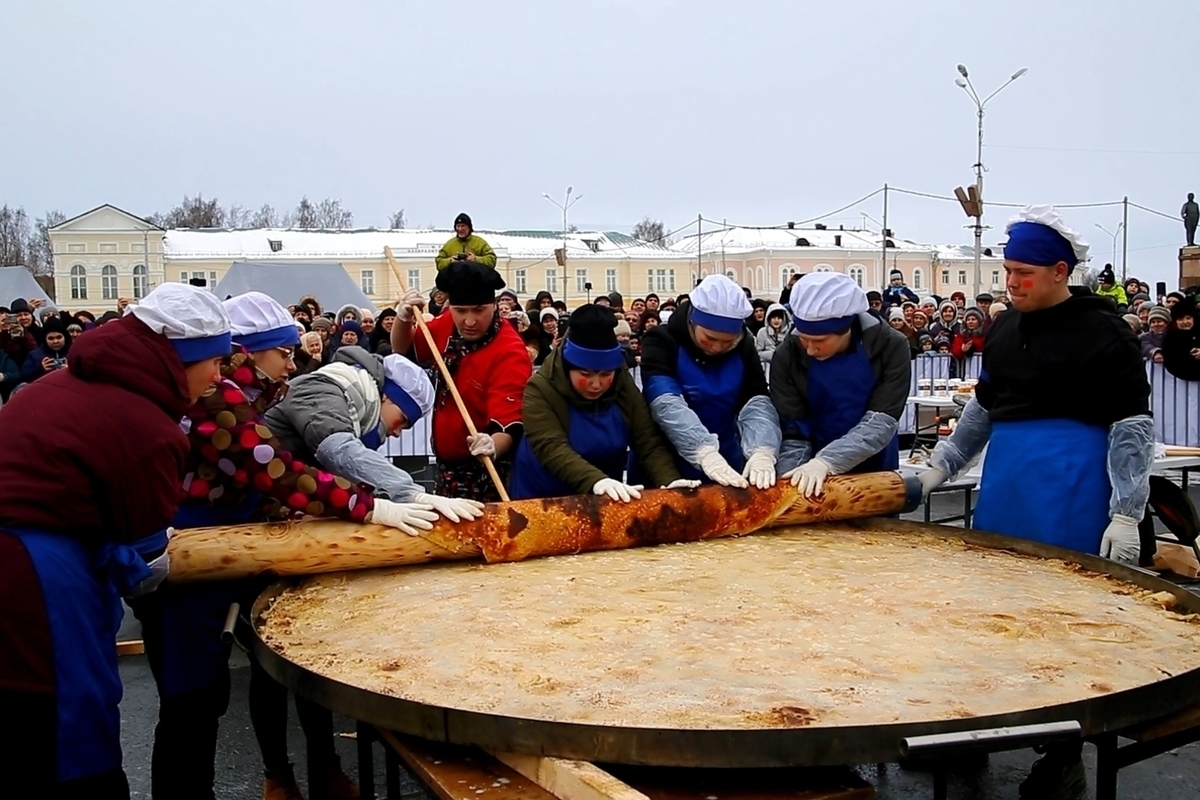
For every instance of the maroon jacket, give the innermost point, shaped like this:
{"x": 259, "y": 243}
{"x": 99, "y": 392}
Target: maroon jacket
{"x": 93, "y": 451}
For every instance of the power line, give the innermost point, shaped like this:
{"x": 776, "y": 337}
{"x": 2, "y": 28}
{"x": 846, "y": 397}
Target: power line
{"x": 784, "y": 226}
{"x": 1153, "y": 211}
{"x": 1095, "y": 150}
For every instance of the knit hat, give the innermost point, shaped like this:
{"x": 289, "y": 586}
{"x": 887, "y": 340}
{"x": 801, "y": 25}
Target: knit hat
{"x": 942, "y": 340}
{"x": 616, "y": 300}
{"x": 947, "y": 304}
{"x": 469, "y": 283}
{"x": 996, "y": 309}
{"x": 958, "y": 296}
{"x": 21, "y": 305}
{"x": 896, "y": 274}
{"x": 192, "y": 319}
{"x": 895, "y": 312}
{"x": 259, "y": 323}
{"x": 1159, "y": 312}
{"x": 720, "y": 304}
{"x": 353, "y": 327}
{"x": 1133, "y": 321}
{"x": 623, "y": 328}
{"x": 463, "y": 218}
{"x": 548, "y": 311}
{"x": 1107, "y": 275}
{"x": 1184, "y": 308}
{"x": 508, "y": 293}
{"x": 826, "y": 302}
{"x": 923, "y": 338}
{"x": 408, "y": 386}
{"x": 973, "y": 312}
{"x": 322, "y": 324}
{"x": 592, "y": 340}
{"x": 1139, "y": 296}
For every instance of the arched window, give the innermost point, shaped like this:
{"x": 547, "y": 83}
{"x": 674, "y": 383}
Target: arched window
{"x": 108, "y": 282}
{"x": 141, "y": 282}
{"x": 785, "y": 274}
{"x": 748, "y": 277}
{"x": 824, "y": 268}
{"x": 79, "y": 282}
{"x": 857, "y": 275}
{"x": 731, "y": 275}
{"x": 918, "y": 278}
{"x": 760, "y": 278}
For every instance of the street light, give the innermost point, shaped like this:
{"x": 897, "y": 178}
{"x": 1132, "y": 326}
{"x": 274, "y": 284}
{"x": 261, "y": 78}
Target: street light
{"x": 565, "y": 205}
{"x": 965, "y": 84}
{"x": 1114, "y": 235}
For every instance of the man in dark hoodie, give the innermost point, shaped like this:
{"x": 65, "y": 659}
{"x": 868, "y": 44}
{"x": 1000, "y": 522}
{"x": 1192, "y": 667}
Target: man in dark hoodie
{"x": 466, "y": 246}
{"x": 1063, "y": 405}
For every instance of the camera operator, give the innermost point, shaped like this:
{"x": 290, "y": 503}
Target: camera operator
{"x": 465, "y": 246}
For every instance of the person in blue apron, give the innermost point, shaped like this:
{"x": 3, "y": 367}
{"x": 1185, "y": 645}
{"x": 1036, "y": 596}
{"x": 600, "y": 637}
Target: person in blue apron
{"x": 1062, "y": 405}
{"x": 707, "y": 391}
{"x": 839, "y": 383}
{"x": 585, "y": 421}
{"x": 89, "y": 479}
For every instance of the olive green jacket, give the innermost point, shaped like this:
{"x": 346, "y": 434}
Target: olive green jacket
{"x": 546, "y": 413}
{"x": 472, "y": 244}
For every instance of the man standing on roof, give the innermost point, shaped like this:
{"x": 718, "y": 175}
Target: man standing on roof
{"x": 465, "y": 246}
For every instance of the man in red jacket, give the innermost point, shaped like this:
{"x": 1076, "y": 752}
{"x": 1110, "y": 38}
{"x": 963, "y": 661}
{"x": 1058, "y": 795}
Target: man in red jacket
{"x": 490, "y": 367}
{"x": 89, "y": 478}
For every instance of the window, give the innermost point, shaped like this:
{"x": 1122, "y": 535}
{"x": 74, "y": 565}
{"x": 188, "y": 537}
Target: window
{"x": 79, "y": 282}
{"x": 183, "y": 276}
{"x": 918, "y": 278}
{"x": 785, "y": 274}
{"x": 824, "y": 268}
{"x": 552, "y": 280}
{"x": 945, "y": 277}
{"x": 521, "y": 283}
{"x": 610, "y": 280}
{"x": 856, "y": 274}
{"x": 731, "y": 275}
{"x": 581, "y": 279}
{"x": 108, "y": 282}
{"x": 995, "y": 278}
{"x": 212, "y": 281}
{"x": 209, "y": 279}
{"x": 414, "y": 279}
{"x": 962, "y": 277}
{"x": 662, "y": 280}
{"x": 141, "y": 282}
{"x": 366, "y": 281}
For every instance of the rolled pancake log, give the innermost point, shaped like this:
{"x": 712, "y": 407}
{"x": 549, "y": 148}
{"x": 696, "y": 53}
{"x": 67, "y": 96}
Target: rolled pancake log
{"x": 523, "y": 529}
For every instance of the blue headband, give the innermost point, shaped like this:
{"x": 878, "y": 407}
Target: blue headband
{"x": 822, "y": 327}
{"x": 265, "y": 340}
{"x": 1039, "y": 245}
{"x": 193, "y": 350}
{"x": 593, "y": 360}
{"x": 393, "y": 392}
{"x": 713, "y": 322}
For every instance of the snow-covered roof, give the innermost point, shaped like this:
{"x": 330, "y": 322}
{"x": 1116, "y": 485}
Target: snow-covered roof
{"x": 742, "y": 240}
{"x": 293, "y": 243}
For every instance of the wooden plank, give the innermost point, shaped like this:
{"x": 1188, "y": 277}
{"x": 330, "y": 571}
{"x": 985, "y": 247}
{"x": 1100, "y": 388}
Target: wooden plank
{"x": 461, "y": 773}
{"x": 815, "y": 783}
{"x": 570, "y": 780}
{"x": 1157, "y": 729}
{"x": 133, "y": 647}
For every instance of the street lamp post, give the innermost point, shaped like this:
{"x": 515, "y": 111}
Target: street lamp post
{"x": 965, "y": 84}
{"x": 1114, "y": 235}
{"x": 565, "y": 206}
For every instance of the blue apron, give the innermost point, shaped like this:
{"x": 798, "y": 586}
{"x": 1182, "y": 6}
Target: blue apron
{"x": 81, "y": 590}
{"x": 839, "y": 390}
{"x": 713, "y": 392}
{"x": 192, "y": 656}
{"x": 600, "y": 437}
{"x": 1046, "y": 480}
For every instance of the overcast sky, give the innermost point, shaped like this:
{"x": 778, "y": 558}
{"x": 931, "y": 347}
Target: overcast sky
{"x": 754, "y": 111}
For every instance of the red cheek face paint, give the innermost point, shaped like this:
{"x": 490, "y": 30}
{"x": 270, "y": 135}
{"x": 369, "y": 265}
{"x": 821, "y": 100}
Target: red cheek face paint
{"x": 582, "y": 385}
{"x": 1027, "y": 284}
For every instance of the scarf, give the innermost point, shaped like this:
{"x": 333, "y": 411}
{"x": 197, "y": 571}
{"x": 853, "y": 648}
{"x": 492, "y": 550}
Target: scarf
{"x": 361, "y": 392}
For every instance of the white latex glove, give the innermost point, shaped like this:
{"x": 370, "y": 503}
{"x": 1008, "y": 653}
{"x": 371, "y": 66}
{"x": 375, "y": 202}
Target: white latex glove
{"x": 617, "y": 490}
{"x": 760, "y": 469}
{"x": 481, "y": 444}
{"x": 682, "y": 483}
{"x": 931, "y": 479}
{"x": 809, "y": 477}
{"x": 410, "y": 298}
{"x": 412, "y": 518}
{"x": 455, "y": 509}
{"x": 160, "y": 567}
{"x": 1121, "y": 541}
{"x": 714, "y": 465}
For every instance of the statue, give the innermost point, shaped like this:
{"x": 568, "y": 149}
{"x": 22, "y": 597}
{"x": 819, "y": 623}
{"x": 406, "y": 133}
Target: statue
{"x": 1191, "y": 216}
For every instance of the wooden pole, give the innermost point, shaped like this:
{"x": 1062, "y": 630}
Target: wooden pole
{"x": 526, "y": 529}
{"x": 441, "y": 364}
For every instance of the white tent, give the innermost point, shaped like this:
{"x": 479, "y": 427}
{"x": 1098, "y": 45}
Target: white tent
{"x": 18, "y": 282}
{"x": 287, "y": 283}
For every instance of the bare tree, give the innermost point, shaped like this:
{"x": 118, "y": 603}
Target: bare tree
{"x": 651, "y": 231}
{"x": 305, "y": 215}
{"x": 40, "y": 251}
{"x": 332, "y": 216}
{"x": 193, "y": 212}
{"x": 14, "y": 236}
{"x": 237, "y": 216}
{"x": 265, "y": 217}
{"x": 397, "y": 222}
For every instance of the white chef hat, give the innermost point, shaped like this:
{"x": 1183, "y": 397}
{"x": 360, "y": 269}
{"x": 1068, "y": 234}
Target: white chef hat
{"x": 826, "y": 302}
{"x": 407, "y": 385}
{"x": 1037, "y": 235}
{"x": 719, "y": 304}
{"x": 260, "y": 323}
{"x": 192, "y": 319}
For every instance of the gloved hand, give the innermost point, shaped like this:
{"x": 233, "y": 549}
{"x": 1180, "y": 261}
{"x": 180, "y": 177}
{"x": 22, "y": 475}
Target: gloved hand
{"x": 159, "y": 568}
{"x": 481, "y": 444}
{"x": 412, "y": 518}
{"x": 617, "y": 490}
{"x": 931, "y": 479}
{"x": 1121, "y": 541}
{"x": 455, "y": 509}
{"x": 682, "y": 483}
{"x": 809, "y": 477}
{"x": 410, "y": 298}
{"x": 714, "y": 465}
{"x": 760, "y": 469}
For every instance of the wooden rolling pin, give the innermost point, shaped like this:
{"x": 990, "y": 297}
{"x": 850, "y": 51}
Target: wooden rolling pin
{"x": 529, "y": 528}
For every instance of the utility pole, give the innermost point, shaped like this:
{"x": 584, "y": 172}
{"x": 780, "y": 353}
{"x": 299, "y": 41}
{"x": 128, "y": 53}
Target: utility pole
{"x": 1125, "y": 240}
{"x": 565, "y": 205}
{"x": 883, "y": 276}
